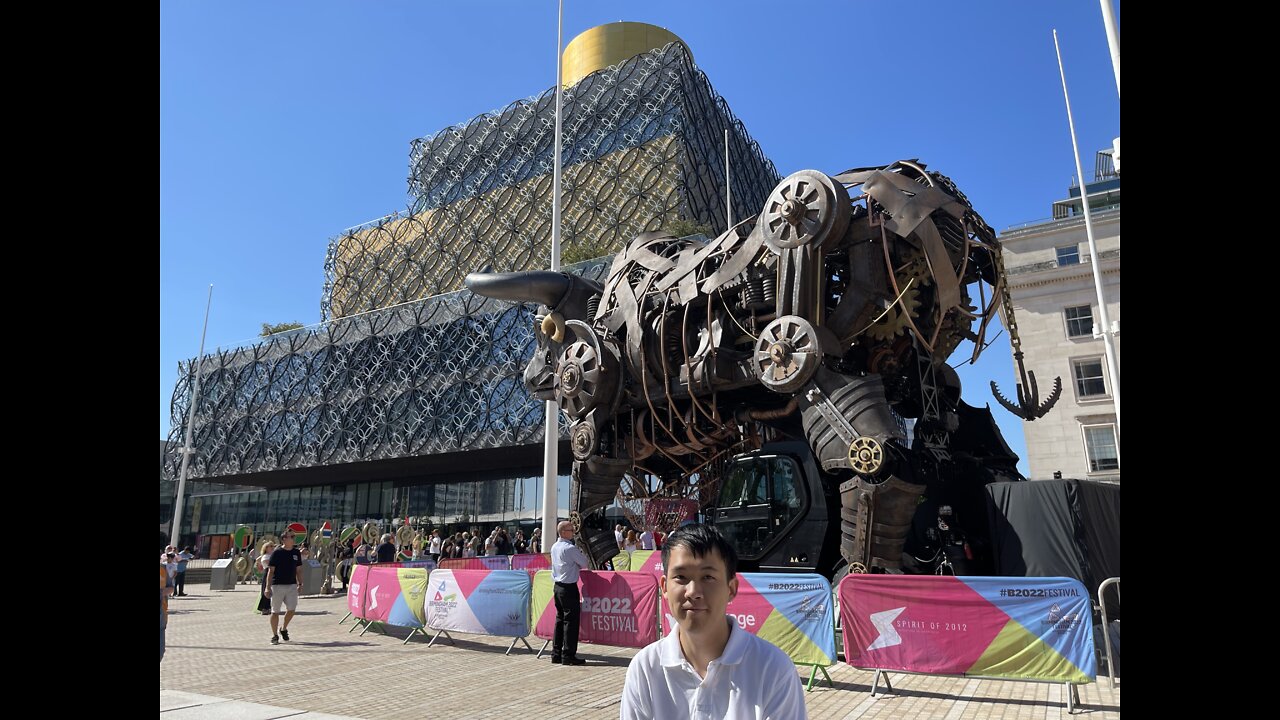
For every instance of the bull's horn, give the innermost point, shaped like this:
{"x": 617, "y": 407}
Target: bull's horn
{"x": 540, "y": 286}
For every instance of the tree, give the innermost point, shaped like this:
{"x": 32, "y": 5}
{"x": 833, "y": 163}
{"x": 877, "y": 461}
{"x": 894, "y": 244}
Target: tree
{"x": 269, "y": 329}
{"x": 684, "y": 228}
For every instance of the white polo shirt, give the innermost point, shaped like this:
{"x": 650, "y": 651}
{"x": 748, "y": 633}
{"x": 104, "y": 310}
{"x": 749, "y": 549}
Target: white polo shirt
{"x": 751, "y": 679}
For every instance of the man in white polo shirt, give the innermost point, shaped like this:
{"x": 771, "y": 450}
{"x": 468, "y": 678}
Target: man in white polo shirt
{"x": 708, "y": 667}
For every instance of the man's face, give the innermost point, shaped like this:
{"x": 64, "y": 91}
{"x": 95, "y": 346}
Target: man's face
{"x": 288, "y": 542}
{"x": 697, "y": 589}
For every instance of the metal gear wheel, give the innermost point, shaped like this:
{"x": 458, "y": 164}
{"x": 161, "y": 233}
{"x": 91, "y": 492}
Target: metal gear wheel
{"x": 866, "y": 455}
{"x": 894, "y": 322}
{"x": 582, "y": 439}
{"x": 806, "y": 208}
{"x": 787, "y": 354}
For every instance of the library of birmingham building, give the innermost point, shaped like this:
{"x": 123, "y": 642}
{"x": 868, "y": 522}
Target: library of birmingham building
{"x": 407, "y": 401}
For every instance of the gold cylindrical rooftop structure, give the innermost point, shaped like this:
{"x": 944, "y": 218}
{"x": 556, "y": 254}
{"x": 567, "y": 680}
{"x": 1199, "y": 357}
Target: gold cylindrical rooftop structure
{"x": 610, "y": 44}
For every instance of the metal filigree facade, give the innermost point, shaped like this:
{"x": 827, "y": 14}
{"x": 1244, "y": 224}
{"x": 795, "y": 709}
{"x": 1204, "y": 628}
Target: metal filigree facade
{"x": 440, "y": 375}
{"x": 643, "y": 148}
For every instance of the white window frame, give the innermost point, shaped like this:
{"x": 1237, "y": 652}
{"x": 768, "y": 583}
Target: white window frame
{"x": 1088, "y": 457}
{"x": 1075, "y": 380}
{"x": 1059, "y": 251}
{"x": 1066, "y": 322}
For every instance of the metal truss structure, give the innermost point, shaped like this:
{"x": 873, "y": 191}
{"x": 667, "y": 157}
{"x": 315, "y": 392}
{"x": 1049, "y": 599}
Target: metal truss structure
{"x": 643, "y": 149}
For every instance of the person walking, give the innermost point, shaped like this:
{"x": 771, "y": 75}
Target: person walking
{"x": 283, "y": 585}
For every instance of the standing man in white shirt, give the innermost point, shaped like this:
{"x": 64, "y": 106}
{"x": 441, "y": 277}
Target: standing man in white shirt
{"x": 617, "y": 535}
{"x": 566, "y": 562}
{"x": 708, "y": 667}
{"x": 434, "y": 549}
{"x": 646, "y": 539}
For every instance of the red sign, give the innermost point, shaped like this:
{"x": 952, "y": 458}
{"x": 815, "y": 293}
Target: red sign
{"x": 666, "y": 514}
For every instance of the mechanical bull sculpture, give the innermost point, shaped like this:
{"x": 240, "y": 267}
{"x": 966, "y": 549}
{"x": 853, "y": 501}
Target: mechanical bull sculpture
{"x": 827, "y": 317}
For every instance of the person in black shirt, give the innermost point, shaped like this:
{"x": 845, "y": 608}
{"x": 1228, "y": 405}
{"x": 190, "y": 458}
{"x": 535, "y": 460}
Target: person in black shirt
{"x": 283, "y": 584}
{"x": 387, "y": 550}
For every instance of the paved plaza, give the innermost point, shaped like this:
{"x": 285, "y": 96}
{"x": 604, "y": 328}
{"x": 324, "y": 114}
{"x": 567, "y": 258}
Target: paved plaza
{"x": 220, "y": 664}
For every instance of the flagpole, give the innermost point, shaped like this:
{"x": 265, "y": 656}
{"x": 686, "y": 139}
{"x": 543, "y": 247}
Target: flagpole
{"x": 186, "y": 450}
{"x": 1104, "y": 330}
{"x": 551, "y": 431}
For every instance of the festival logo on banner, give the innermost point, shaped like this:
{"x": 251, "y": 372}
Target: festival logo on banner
{"x": 793, "y": 612}
{"x": 479, "y": 601}
{"x": 617, "y": 608}
{"x": 1027, "y": 628}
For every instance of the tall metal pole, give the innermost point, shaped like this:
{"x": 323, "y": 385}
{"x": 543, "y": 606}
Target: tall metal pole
{"x": 186, "y": 449}
{"x": 1113, "y": 366}
{"x": 1113, "y": 39}
{"x": 551, "y": 443}
{"x": 1113, "y": 42}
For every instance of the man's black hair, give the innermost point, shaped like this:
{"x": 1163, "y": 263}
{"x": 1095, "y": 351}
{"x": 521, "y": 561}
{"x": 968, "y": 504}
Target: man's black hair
{"x": 700, "y": 540}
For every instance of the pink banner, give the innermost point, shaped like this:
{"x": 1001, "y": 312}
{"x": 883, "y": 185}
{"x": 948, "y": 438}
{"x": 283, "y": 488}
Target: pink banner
{"x": 1029, "y": 628}
{"x": 384, "y": 590}
{"x": 618, "y": 608}
{"x": 487, "y": 562}
{"x": 356, "y": 588}
{"x": 391, "y": 595}
{"x": 531, "y": 562}
{"x": 647, "y": 561}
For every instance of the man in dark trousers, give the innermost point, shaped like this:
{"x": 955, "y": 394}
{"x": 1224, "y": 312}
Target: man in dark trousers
{"x": 566, "y": 562}
{"x": 283, "y": 585}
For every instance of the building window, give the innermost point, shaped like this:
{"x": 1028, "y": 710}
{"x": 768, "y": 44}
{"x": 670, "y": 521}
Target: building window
{"x": 1068, "y": 255}
{"x": 1079, "y": 321}
{"x": 1089, "y": 378}
{"x": 1100, "y": 447}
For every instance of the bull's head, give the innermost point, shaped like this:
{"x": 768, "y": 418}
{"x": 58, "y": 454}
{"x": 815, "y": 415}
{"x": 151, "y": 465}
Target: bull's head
{"x": 561, "y": 298}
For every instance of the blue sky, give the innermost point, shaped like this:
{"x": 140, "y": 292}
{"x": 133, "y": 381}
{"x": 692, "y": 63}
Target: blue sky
{"x": 283, "y": 123}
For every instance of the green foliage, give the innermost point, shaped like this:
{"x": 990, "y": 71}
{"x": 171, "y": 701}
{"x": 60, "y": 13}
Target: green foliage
{"x": 591, "y": 249}
{"x": 683, "y": 228}
{"x": 269, "y": 329}
{"x": 585, "y": 250}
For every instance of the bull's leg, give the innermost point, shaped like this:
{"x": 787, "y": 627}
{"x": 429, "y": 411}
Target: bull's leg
{"x": 849, "y": 426}
{"x": 875, "y": 520}
{"x": 595, "y": 484}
